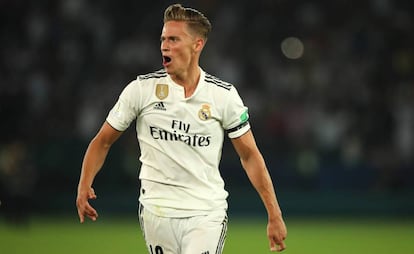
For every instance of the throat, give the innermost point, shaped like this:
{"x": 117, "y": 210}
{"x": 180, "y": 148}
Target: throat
{"x": 189, "y": 83}
{"x": 189, "y": 87}
{"x": 189, "y": 90}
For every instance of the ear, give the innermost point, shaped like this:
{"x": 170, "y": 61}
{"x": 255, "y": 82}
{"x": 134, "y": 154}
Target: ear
{"x": 199, "y": 44}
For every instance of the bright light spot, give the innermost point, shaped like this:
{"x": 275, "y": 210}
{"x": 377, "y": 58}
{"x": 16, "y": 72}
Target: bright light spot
{"x": 292, "y": 48}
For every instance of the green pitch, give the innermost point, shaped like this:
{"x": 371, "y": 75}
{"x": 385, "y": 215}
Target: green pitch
{"x": 246, "y": 235}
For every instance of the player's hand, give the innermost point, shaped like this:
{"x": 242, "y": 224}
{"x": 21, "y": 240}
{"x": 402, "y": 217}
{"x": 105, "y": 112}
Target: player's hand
{"x": 277, "y": 232}
{"x": 84, "y": 208}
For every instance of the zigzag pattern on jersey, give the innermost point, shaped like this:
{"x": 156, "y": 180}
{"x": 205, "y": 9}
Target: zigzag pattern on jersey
{"x": 218, "y": 82}
{"x": 158, "y": 74}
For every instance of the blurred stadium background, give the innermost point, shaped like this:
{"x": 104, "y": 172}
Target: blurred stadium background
{"x": 329, "y": 84}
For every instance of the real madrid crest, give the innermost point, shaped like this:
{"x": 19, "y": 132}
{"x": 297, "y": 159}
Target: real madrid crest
{"x": 204, "y": 113}
{"x": 161, "y": 91}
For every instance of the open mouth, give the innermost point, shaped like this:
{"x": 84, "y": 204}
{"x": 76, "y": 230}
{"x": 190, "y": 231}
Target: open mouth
{"x": 166, "y": 59}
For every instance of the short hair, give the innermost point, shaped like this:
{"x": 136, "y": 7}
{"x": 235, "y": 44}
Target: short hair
{"x": 196, "y": 20}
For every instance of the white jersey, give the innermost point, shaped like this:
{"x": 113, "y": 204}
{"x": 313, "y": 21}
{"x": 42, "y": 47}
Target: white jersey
{"x": 181, "y": 140}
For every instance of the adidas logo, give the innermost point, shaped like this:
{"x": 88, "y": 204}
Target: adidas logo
{"x": 160, "y": 106}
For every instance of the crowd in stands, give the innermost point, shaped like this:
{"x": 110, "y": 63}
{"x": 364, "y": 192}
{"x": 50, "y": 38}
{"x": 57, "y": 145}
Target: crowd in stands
{"x": 339, "y": 116}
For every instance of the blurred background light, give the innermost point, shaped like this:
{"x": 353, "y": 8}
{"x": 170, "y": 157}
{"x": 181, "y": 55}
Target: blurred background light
{"x": 292, "y": 48}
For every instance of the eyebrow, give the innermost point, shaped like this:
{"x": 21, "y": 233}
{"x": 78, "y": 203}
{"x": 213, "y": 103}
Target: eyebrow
{"x": 162, "y": 37}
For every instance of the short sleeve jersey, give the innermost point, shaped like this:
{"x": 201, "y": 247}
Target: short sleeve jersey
{"x": 180, "y": 140}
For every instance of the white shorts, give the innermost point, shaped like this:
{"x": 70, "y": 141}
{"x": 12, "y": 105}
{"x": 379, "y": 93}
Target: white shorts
{"x": 192, "y": 235}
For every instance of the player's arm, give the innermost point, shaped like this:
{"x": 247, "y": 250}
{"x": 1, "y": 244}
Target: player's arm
{"x": 92, "y": 162}
{"x": 255, "y": 167}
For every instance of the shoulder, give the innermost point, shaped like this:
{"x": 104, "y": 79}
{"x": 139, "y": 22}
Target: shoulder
{"x": 153, "y": 75}
{"x": 218, "y": 83}
{"x": 144, "y": 82}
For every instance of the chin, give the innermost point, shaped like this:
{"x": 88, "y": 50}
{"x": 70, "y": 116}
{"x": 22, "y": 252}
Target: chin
{"x": 170, "y": 71}
{"x": 167, "y": 70}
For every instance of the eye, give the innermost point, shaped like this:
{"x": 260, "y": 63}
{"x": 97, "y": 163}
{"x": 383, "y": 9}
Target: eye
{"x": 170, "y": 39}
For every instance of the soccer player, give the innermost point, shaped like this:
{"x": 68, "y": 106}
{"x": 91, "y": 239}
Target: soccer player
{"x": 182, "y": 114}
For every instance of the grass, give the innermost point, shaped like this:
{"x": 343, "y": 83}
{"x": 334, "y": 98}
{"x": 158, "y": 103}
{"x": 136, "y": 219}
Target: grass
{"x": 245, "y": 235}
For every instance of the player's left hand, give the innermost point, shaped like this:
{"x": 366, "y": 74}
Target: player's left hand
{"x": 84, "y": 208}
{"x": 277, "y": 232}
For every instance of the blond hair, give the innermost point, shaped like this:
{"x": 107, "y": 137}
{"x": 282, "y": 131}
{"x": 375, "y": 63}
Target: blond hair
{"x": 196, "y": 20}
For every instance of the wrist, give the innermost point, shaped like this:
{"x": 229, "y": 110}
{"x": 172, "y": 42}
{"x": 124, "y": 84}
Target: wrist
{"x": 275, "y": 216}
{"x": 83, "y": 187}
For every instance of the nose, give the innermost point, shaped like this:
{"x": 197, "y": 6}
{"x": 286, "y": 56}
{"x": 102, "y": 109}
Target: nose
{"x": 164, "y": 47}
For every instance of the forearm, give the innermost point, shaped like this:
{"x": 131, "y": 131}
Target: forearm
{"x": 258, "y": 174}
{"x": 92, "y": 162}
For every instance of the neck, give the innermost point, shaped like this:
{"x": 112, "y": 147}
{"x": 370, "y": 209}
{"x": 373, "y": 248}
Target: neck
{"x": 188, "y": 80}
